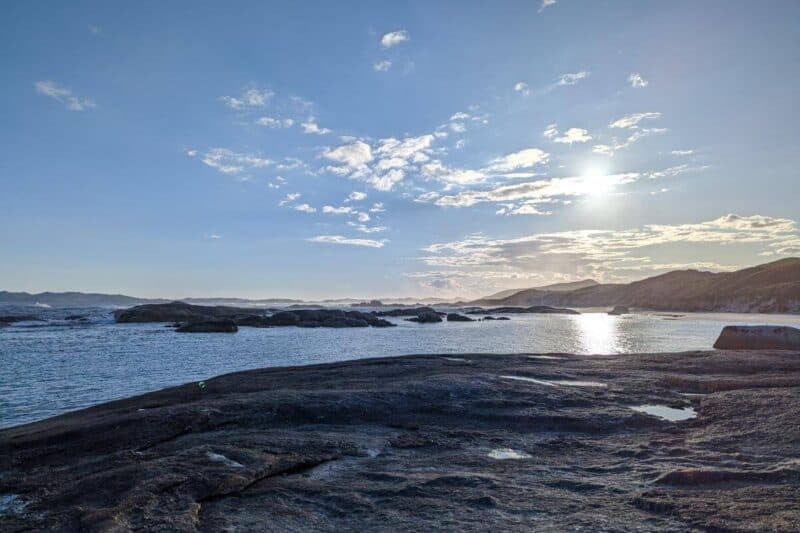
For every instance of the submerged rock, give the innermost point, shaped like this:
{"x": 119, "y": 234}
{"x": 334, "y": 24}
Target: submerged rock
{"x": 619, "y": 310}
{"x": 455, "y": 317}
{"x": 758, "y": 338}
{"x": 209, "y": 326}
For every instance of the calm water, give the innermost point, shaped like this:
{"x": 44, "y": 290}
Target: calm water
{"x": 47, "y": 368}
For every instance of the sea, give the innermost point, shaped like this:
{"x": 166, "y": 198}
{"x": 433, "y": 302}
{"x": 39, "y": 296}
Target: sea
{"x": 52, "y": 365}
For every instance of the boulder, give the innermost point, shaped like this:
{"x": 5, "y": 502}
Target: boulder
{"x": 426, "y": 318}
{"x": 455, "y": 317}
{"x": 758, "y": 338}
{"x": 224, "y": 325}
{"x": 619, "y": 310}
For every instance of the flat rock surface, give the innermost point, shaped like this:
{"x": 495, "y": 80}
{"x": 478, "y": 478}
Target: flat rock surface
{"x": 461, "y": 442}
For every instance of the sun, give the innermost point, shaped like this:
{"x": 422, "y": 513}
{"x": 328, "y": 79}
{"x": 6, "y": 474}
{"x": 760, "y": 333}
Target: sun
{"x": 597, "y": 180}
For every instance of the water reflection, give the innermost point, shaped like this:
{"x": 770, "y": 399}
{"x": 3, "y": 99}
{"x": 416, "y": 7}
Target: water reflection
{"x": 599, "y": 332}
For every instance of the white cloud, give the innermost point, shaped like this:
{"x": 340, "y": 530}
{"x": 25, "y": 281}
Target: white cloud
{"x": 311, "y": 126}
{"x": 363, "y": 217}
{"x": 377, "y": 207}
{"x": 550, "y": 131}
{"x": 275, "y": 122}
{"x": 363, "y": 228}
{"x": 609, "y": 255}
{"x": 354, "y": 156}
{"x": 637, "y": 81}
{"x": 356, "y": 196}
{"x": 213, "y": 236}
{"x": 277, "y": 183}
{"x": 523, "y": 159}
{"x": 339, "y": 239}
{"x": 573, "y": 135}
{"x": 522, "y": 88}
{"x": 289, "y": 198}
{"x": 394, "y": 38}
{"x": 343, "y": 210}
{"x": 305, "y": 208}
{"x": 682, "y": 152}
{"x": 63, "y": 95}
{"x": 611, "y": 149}
{"x": 190, "y": 152}
{"x": 632, "y": 120}
{"x": 382, "y": 66}
{"x": 251, "y": 98}
{"x": 571, "y": 78}
{"x": 229, "y": 162}
{"x": 545, "y": 4}
{"x": 427, "y": 197}
{"x": 387, "y": 181}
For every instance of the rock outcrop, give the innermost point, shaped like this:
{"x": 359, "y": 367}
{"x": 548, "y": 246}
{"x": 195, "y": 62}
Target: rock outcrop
{"x": 758, "y": 338}
{"x": 406, "y": 311}
{"x": 619, "y": 310}
{"x": 461, "y": 442}
{"x": 224, "y": 325}
{"x": 426, "y": 317}
{"x": 455, "y": 317}
{"x": 325, "y": 318}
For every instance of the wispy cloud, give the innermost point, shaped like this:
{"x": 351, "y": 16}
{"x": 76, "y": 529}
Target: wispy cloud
{"x": 310, "y": 126}
{"x": 275, "y": 122}
{"x": 526, "y": 158}
{"x": 340, "y": 239}
{"x": 382, "y": 66}
{"x": 522, "y": 88}
{"x": 633, "y": 120}
{"x": 233, "y": 163}
{"x": 637, "y": 81}
{"x": 616, "y": 144}
{"x": 394, "y": 38}
{"x": 249, "y": 99}
{"x": 571, "y": 78}
{"x": 572, "y": 135}
{"x": 545, "y": 4}
{"x": 63, "y": 95}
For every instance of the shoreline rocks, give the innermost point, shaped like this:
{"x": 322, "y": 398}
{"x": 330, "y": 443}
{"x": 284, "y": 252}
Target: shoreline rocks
{"x": 619, "y": 310}
{"x": 455, "y": 317}
{"x": 758, "y": 338}
{"x": 426, "y": 317}
{"x": 210, "y": 326}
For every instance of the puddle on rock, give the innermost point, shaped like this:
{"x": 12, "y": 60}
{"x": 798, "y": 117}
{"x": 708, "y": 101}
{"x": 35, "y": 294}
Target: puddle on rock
{"x": 219, "y": 458}
{"x": 667, "y": 413}
{"x": 507, "y": 453}
{"x": 558, "y": 382}
{"x": 456, "y": 359}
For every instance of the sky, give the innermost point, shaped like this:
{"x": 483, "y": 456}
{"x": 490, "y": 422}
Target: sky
{"x": 373, "y": 149}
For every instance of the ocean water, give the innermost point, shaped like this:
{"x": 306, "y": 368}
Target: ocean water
{"x": 53, "y": 366}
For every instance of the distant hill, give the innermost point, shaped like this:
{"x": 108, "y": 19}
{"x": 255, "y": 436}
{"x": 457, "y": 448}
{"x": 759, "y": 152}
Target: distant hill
{"x": 73, "y": 299}
{"x": 568, "y": 286}
{"x": 769, "y": 288}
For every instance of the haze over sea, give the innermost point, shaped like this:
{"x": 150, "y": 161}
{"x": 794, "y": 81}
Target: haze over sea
{"x": 55, "y": 366}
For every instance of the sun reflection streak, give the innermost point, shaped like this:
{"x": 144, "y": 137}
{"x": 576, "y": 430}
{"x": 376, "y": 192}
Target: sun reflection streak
{"x": 599, "y": 333}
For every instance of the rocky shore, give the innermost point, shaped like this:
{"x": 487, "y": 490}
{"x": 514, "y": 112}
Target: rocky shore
{"x": 646, "y": 442}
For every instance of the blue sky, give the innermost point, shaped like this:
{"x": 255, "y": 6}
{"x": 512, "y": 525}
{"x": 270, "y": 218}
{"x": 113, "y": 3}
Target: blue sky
{"x": 367, "y": 149}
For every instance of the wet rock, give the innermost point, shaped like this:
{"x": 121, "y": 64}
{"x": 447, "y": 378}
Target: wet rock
{"x": 619, "y": 310}
{"x": 406, "y": 311}
{"x": 426, "y": 318}
{"x": 455, "y": 317}
{"x": 758, "y": 338}
{"x": 209, "y": 326}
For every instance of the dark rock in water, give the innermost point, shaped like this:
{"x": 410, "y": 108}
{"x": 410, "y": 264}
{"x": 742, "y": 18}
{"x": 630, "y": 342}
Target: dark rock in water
{"x": 425, "y": 443}
{"x": 619, "y": 310}
{"x": 224, "y": 325}
{"x": 455, "y": 317}
{"x": 541, "y": 309}
{"x": 309, "y": 318}
{"x": 407, "y": 311}
{"x": 325, "y": 318}
{"x": 10, "y": 319}
{"x": 76, "y": 317}
{"x": 502, "y": 318}
{"x": 758, "y": 338}
{"x": 426, "y": 318}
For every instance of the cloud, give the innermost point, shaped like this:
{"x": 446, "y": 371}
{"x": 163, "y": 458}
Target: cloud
{"x": 232, "y": 163}
{"x": 571, "y": 78}
{"x": 609, "y": 255}
{"x": 682, "y": 152}
{"x": 387, "y": 181}
{"x": 305, "y": 208}
{"x": 550, "y": 131}
{"x": 382, "y": 66}
{"x": 573, "y": 135}
{"x": 363, "y": 228}
{"x": 63, "y": 95}
{"x": 377, "y": 207}
{"x": 526, "y": 158}
{"x": 394, "y": 38}
{"x": 339, "y": 239}
{"x": 213, "y": 236}
{"x": 539, "y": 191}
{"x": 311, "y": 127}
{"x": 637, "y": 81}
{"x": 251, "y": 98}
{"x": 545, "y": 4}
{"x": 522, "y": 88}
{"x": 356, "y": 196}
{"x": 344, "y": 210}
{"x": 611, "y": 149}
{"x": 275, "y": 122}
{"x": 354, "y": 155}
{"x": 290, "y": 197}
{"x": 277, "y": 183}
{"x": 632, "y": 120}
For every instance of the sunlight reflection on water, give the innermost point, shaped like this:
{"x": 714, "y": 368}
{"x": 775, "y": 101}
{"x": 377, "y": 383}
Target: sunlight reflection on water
{"x": 598, "y": 332}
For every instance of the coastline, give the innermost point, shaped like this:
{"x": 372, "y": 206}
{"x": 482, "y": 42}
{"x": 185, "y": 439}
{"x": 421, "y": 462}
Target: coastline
{"x": 457, "y": 441}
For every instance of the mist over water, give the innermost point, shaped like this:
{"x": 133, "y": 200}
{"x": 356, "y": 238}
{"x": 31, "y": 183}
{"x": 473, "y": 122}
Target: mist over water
{"x": 55, "y": 366}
